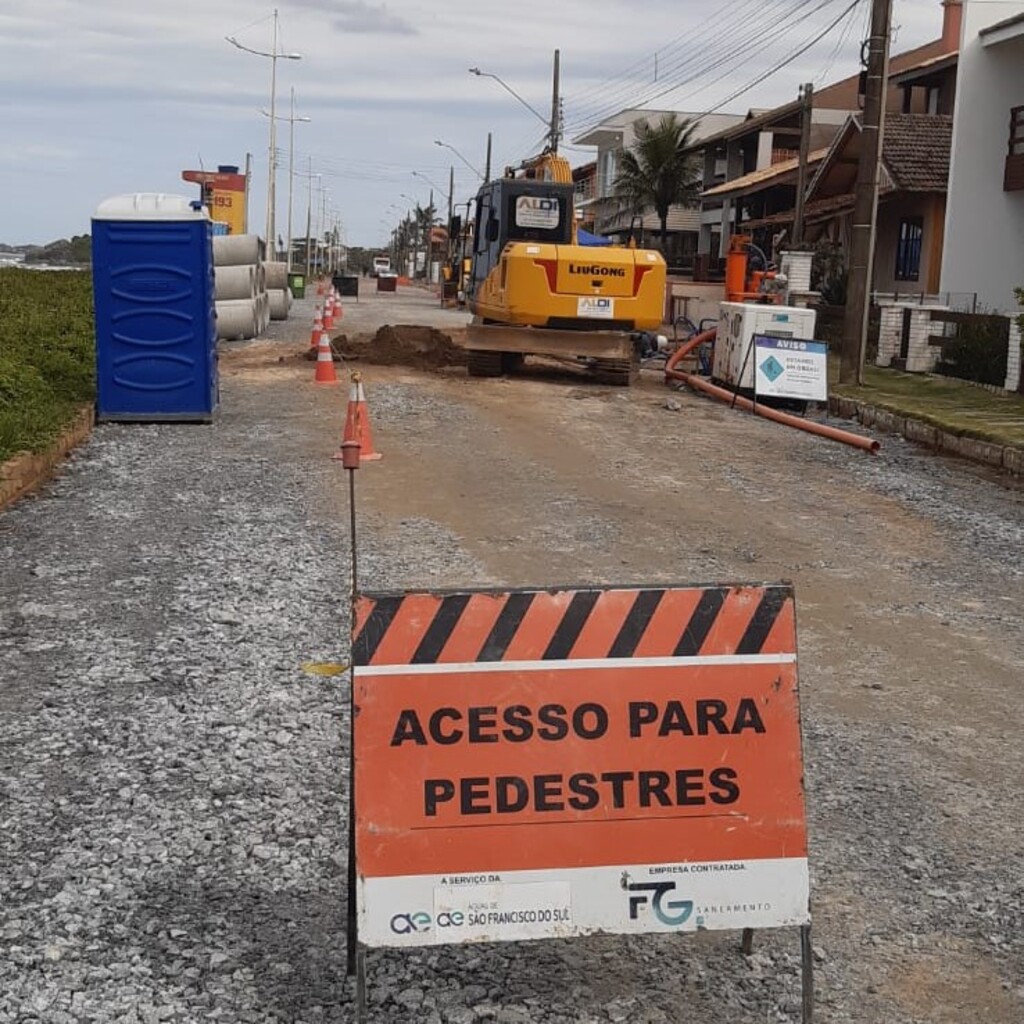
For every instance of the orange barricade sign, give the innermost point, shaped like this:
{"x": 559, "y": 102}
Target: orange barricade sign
{"x": 534, "y": 764}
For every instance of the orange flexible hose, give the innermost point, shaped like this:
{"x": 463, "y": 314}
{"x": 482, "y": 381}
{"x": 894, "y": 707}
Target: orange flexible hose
{"x": 700, "y": 384}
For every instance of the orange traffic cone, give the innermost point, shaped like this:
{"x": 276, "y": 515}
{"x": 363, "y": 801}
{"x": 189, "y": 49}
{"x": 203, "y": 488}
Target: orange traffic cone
{"x": 357, "y": 423}
{"x": 328, "y": 320}
{"x": 318, "y": 326}
{"x": 339, "y": 312}
{"x": 320, "y": 286}
{"x": 325, "y": 362}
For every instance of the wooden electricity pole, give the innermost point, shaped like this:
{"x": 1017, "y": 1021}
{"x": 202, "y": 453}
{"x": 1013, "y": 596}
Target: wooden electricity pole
{"x": 555, "y": 107}
{"x": 865, "y": 203}
{"x": 451, "y": 209}
{"x": 806, "y": 114}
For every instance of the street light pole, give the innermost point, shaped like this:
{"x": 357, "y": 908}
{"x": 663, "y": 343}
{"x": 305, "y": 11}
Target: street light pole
{"x": 438, "y": 142}
{"x": 508, "y": 88}
{"x": 272, "y": 152}
{"x": 291, "y": 166}
{"x": 309, "y": 218}
{"x": 274, "y": 54}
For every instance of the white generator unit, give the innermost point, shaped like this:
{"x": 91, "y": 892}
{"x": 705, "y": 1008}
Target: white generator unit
{"x": 738, "y": 322}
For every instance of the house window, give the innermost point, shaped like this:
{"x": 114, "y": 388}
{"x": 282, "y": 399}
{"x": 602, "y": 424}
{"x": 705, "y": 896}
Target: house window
{"x": 1013, "y": 179}
{"x": 908, "y": 249}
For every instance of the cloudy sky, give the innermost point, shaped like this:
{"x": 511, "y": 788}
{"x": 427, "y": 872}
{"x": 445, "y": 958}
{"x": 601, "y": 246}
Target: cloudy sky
{"x": 111, "y": 96}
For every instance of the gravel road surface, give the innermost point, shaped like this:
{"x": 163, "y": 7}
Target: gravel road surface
{"x": 172, "y": 781}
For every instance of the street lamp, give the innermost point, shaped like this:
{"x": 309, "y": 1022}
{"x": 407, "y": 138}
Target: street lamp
{"x": 274, "y": 54}
{"x": 432, "y": 184}
{"x": 508, "y": 88}
{"x": 291, "y": 164}
{"x": 438, "y": 142}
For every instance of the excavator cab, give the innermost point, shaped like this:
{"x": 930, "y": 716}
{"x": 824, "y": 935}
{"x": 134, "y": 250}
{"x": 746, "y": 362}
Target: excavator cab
{"x": 518, "y": 210}
{"x": 536, "y": 291}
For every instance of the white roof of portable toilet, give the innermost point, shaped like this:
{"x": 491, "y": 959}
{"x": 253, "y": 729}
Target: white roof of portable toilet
{"x": 150, "y": 206}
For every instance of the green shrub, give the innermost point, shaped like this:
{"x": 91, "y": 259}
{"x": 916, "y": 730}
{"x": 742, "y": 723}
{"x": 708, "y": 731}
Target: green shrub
{"x": 47, "y": 354}
{"x": 828, "y": 272}
{"x": 978, "y": 353}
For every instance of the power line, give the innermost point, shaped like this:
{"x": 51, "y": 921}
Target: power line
{"x": 844, "y": 35}
{"x": 792, "y": 56}
{"x": 768, "y": 43}
{"x": 731, "y": 44}
{"x": 737, "y": 50}
{"x": 605, "y": 94}
{"x": 607, "y": 87}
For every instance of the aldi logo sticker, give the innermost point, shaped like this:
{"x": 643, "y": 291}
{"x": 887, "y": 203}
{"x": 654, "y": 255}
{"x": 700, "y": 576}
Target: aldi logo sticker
{"x": 595, "y": 308}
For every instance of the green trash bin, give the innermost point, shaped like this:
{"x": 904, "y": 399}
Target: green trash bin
{"x": 297, "y": 283}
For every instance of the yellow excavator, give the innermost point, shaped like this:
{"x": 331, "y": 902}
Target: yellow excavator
{"x": 534, "y": 290}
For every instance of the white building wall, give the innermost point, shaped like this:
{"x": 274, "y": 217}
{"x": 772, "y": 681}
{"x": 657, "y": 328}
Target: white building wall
{"x": 984, "y": 236}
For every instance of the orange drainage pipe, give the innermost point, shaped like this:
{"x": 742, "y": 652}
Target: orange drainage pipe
{"x": 866, "y": 444}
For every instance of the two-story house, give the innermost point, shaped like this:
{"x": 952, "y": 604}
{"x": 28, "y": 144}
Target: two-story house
{"x": 601, "y": 211}
{"x": 985, "y": 210}
{"x": 757, "y": 154}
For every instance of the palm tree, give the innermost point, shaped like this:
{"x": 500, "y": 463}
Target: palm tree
{"x": 656, "y": 172}
{"x": 424, "y": 223}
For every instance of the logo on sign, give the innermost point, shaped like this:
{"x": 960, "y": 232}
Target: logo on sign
{"x": 538, "y": 212}
{"x": 596, "y": 307}
{"x": 772, "y": 369}
{"x": 596, "y": 270}
{"x": 420, "y": 921}
{"x": 669, "y": 912}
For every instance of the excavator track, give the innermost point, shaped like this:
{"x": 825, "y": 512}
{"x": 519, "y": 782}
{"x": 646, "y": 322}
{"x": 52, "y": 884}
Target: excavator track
{"x": 616, "y": 373}
{"x": 484, "y": 364}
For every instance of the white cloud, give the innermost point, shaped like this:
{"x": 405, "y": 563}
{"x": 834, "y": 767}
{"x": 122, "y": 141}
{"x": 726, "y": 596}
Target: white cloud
{"x": 127, "y": 93}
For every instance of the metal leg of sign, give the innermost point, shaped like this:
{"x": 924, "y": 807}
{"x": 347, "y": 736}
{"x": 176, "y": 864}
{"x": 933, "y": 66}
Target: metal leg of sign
{"x": 361, "y": 985}
{"x": 352, "y": 927}
{"x": 743, "y": 370}
{"x": 747, "y": 942}
{"x": 353, "y": 920}
{"x": 806, "y": 974}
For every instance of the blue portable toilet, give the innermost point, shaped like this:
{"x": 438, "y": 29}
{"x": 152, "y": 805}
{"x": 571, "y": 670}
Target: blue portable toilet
{"x": 156, "y": 335}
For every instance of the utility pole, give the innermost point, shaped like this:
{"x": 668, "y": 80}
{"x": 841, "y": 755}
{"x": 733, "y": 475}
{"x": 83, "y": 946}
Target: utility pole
{"x": 451, "y": 208}
{"x": 309, "y": 219}
{"x": 806, "y": 114}
{"x": 865, "y": 204}
{"x": 323, "y": 217}
{"x": 428, "y": 241}
{"x": 555, "y": 107}
{"x": 487, "y": 164}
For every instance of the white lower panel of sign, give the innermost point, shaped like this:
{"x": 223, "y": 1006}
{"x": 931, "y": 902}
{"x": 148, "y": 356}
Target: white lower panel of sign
{"x": 419, "y": 910}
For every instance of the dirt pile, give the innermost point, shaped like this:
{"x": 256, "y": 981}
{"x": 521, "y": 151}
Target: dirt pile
{"x": 424, "y": 348}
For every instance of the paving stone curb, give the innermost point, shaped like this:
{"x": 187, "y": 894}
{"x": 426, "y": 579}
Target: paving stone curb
{"x": 26, "y": 471}
{"x": 1008, "y": 458}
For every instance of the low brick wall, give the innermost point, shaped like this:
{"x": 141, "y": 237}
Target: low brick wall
{"x": 1007, "y": 458}
{"x": 27, "y": 471}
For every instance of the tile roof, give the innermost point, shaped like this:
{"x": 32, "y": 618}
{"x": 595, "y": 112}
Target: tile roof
{"x": 915, "y": 151}
{"x": 766, "y": 175}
